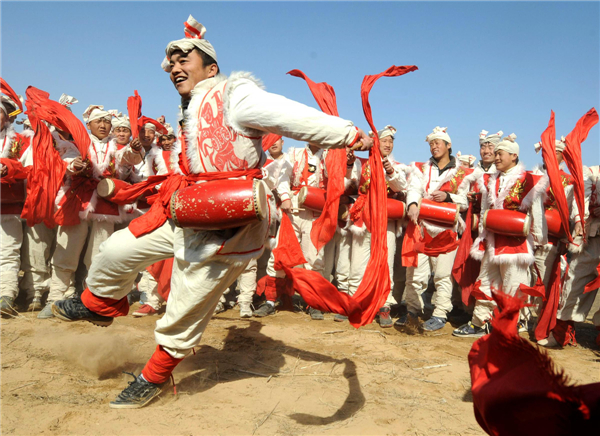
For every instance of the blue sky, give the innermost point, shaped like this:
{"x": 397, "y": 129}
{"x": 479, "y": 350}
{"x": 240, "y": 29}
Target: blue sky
{"x": 482, "y": 65}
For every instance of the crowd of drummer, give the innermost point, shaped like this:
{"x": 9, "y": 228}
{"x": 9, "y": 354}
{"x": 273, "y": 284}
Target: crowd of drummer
{"x": 458, "y": 228}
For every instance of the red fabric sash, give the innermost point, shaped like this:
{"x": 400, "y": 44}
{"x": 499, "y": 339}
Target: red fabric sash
{"x": 572, "y": 157}
{"x": 160, "y": 211}
{"x": 516, "y": 390}
{"x": 269, "y": 140}
{"x": 549, "y": 156}
{"x": 15, "y": 170}
{"x": 68, "y": 213}
{"x": 547, "y": 318}
{"x": 160, "y": 366}
{"x": 46, "y": 176}
{"x": 414, "y": 243}
{"x": 466, "y": 269}
{"x": 324, "y": 226}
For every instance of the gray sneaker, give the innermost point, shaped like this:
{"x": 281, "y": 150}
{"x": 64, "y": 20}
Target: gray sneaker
{"x": 46, "y": 312}
{"x": 340, "y": 318}
{"x": 315, "y": 314}
{"x": 264, "y": 309}
{"x": 7, "y": 307}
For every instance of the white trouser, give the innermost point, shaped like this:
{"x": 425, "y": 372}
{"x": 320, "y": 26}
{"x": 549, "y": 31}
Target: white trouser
{"x": 149, "y": 288}
{"x": 360, "y": 255}
{"x": 70, "y": 241}
{"x": 574, "y": 304}
{"x": 11, "y": 228}
{"x": 343, "y": 253}
{"x": 417, "y": 280}
{"x": 36, "y": 254}
{"x": 246, "y": 283}
{"x": 315, "y": 261}
{"x": 195, "y": 286}
{"x": 504, "y": 277}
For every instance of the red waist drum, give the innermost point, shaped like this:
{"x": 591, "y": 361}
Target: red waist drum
{"x": 396, "y": 209}
{"x": 445, "y": 214}
{"x": 312, "y": 198}
{"x": 220, "y": 204}
{"x": 554, "y": 224}
{"x": 507, "y": 222}
{"x": 108, "y": 188}
{"x": 11, "y": 193}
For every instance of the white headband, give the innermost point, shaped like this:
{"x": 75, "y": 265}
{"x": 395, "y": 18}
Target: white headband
{"x": 119, "y": 120}
{"x": 94, "y": 112}
{"x": 170, "y": 130}
{"x": 439, "y": 133}
{"x": 467, "y": 159}
{"x": 508, "y": 144}
{"x": 559, "y": 145}
{"x": 194, "y": 38}
{"x": 150, "y": 126}
{"x": 494, "y": 138}
{"x": 386, "y": 131}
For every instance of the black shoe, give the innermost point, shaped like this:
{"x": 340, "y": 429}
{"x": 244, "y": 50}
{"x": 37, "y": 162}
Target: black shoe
{"x": 72, "y": 309}
{"x": 264, "y": 309}
{"x": 139, "y": 393}
{"x": 315, "y": 314}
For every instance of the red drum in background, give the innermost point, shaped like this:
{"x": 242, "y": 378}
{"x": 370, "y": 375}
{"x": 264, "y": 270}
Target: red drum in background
{"x": 474, "y": 222}
{"x": 445, "y": 214}
{"x": 107, "y": 188}
{"x": 396, "y": 209}
{"x": 220, "y": 204}
{"x": 312, "y": 198}
{"x": 554, "y": 224}
{"x": 507, "y": 222}
{"x": 12, "y": 193}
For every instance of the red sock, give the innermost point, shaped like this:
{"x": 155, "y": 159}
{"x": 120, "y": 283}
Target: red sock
{"x": 105, "y": 306}
{"x": 160, "y": 366}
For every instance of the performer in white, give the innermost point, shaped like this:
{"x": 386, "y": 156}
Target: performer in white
{"x": 224, "y": 120}
{"x": 14, "y": 150}
{"x": 437, "y": 180}
{"x": 395, "y": 176}
{"x": 575, "y": 304}
{"x": 39, "y": 240}
{"x": 505, "y": 260}
{"x": 97, "y": 216}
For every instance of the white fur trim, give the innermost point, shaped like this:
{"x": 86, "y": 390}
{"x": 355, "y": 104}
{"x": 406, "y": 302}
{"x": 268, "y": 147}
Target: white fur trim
{"x": 538, "y": 190}
{"x": 496, "y": 200}
{"x": 99, "y": 167}
{"x": 358, "y": 231}
{"x": 474, "y": 177}
{"x": 7, "y": 140}
{"x": 236, "y": 79}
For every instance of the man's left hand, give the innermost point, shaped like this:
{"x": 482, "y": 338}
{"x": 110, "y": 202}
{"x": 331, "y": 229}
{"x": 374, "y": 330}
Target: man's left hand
{"x": 438, "y": 196}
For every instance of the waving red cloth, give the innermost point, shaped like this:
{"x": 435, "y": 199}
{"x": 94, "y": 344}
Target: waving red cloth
{"x": 160, "y": 211}
{"x": 142, "y": 121}
{"x": 8, "y": 91}
{"x": 415, "y": 243}
{"x": 516, "y": 390}
{"x": 324, "y": 227}
{"x": 269, "y": 140}
{"x": 59, "y": 116}
{"x": 549, "y": 156}
{"x": 572, "y": 157}
{"x": 15, "y": 170}
{"x": 547, "y": 318}
{"x": 46, "y": 177}
{"x": 410, "y": 257}
{"x": 466, "y": 269}
{"x": 134, "y": 109}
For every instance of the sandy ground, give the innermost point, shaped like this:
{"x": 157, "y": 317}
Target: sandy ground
{"x": 282, "y": 375}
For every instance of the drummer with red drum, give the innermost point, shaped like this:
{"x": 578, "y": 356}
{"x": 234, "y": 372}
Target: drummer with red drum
{"x": 512, "y": 197}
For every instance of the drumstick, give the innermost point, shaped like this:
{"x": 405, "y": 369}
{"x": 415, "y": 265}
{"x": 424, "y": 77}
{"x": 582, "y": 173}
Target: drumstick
{"x": 356, "y": 146}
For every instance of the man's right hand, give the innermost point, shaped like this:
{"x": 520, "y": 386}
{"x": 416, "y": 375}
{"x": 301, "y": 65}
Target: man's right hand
{"x": 136, "y": 145}
{"x": 78, "y": 165}
{"x": 3, "y": 170}
{"x": 413, "y": 213}
{"x": 364, "y": 139}
{"x": 286, "y": 206}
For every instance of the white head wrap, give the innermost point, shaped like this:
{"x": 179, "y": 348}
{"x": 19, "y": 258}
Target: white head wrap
{"x": 559, "y": 145}
{"x": 494, "y": 138}
{"x": 170, "y": 130}
{"x": 466, "y": 159}
{"x": 439, "y": 133}
{"x": 386, "y": 131}
{"x": 95, "y": 112}
{"x": 194, "y": 38}
{"x": 67, "y": 101}
{"x": 149, "y": 126}
{"x": 119, "y": 120}
{"x": 8, "y": 105}
{"x": 508, "y": 144}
